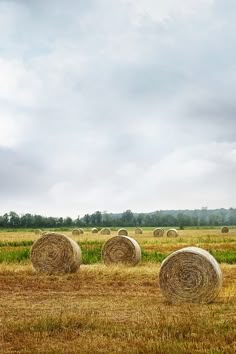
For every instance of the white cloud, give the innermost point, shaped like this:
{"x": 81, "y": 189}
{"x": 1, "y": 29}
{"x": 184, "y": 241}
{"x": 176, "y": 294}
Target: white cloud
{"x": 99, "y": 113}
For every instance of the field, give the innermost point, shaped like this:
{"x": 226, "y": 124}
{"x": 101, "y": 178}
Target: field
{"x": 112, "y": 309}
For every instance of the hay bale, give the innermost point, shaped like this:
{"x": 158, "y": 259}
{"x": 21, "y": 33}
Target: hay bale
{"x": 172, "y": 233}
{"x": 190, "y": 274}
{"x": 123, "y": 232}
{"x": 121, "y": 249}
{"x": 76, "y": 232}
{"x": 158, "y": 232}
{"x": 138, "y": 231}
{"x": 55, "y": 253}
{"x": 225, "y": 229}
{"x": 38, "y": 232}
{"x": 105, "y": 231}
{"x": 94, "y": 230}
{"x": 81, "y": 231}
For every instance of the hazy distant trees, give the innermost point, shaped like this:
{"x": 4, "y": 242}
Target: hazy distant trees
{"x": 178, "y": 218}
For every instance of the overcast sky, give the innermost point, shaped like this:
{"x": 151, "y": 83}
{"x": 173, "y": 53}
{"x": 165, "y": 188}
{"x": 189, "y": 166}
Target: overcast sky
{"x": 117, "y": 104}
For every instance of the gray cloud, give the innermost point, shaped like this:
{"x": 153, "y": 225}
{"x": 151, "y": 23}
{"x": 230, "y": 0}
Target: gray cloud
{"x": 113, "y": 105}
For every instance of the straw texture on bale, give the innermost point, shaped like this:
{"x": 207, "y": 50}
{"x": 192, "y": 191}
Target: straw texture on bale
{"x": 38, "y": 232}
{"x": 94, "y": 230}
{"x": 225, "y": 229}
{"x": 55, "y": 253}
{"x": 81, "y": 231}
{"x": 158, "y": 232}
{"x": 138, "y": 231}
{"x": 190, "y": 274}
{"x": 123, "y": 232}
{"x": 76, "y": 232}
{"x": 105, "y": 231}
{"x": 172, "y": 233}
{"x": 121, "y": 249}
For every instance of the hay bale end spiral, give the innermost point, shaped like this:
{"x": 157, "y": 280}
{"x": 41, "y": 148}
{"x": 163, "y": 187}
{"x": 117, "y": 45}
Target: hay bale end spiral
{"x": 55, "y": 253}
{"x": 190, "y": 274}
{"x": 94, "y": 230}
{"x": 138, "y": 231}
{"x": 225, "y": 229}
{"x": 158, "y": 232}
{"x": 172, "y": 233}
{"x": 121, "y": 250}
{"x": 105, "y": 231}
{"x": 122, "y": 232}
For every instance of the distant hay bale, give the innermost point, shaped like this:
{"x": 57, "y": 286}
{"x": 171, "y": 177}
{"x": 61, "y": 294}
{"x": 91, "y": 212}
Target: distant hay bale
{"x": 138, "y": 231}
{"x": 225, "y": 229}
{"x": 76, "y": 232}
{"x": 81, "y": 231}
{"x": 38, "y": 232}
{"x": 190, "y": 274}
{"x": 94, "y": 230}
{"x": 105, "y": 231}
{"x": 55, "y": 253}
{"x": 122, "y": 232}
{"x": 121, "y": 249}
{"x": 158, "y": 232}
{"x": 172, "y": 233}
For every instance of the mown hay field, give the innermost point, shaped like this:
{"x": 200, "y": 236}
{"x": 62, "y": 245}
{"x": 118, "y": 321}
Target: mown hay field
{"x": 112, "y": 309}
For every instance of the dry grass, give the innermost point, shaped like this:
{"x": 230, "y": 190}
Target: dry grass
{"x": 113, "y": 309}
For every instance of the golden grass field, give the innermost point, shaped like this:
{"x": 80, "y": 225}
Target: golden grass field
{"x": 114, "y": 309}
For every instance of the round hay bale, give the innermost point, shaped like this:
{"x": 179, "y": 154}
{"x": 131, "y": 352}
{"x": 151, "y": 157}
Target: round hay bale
{"x": 158, "y": 232}
{"x": 76, "y": 232}
{"x": 172, "y": 233}
{"x": 122, "y": 232}
{"x": 81, "y": 231}
{"x": 105, "y": 231}
{"x": 121, "y": 249}
{"x": 138, "y": 231}
{"x": 55, "y": 253}
{"x": 94, "y": 230}
{"x": 190, "y": 274}
{"x": 38, "y": 232}
{"x": 225, "y": 229}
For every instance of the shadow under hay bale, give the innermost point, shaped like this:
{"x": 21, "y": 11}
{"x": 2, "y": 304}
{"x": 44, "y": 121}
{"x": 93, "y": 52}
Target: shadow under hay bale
{"x": 122, "y": 232}
{"x": 172, "y": 233}
{"x": 138, "y": 231}
{"x": 191, "y": 275}
{"x": 55, "y": 253}
{"x": 105, "y": 231}
{"x": 121, "y": 250}
{"x": 225, "y": 229}
{"x": 158, "y": 232}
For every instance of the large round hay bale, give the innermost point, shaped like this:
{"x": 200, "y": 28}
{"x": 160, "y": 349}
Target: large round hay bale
{"x": 81, "y": 231}
{"x": 158, "y": 232}
{"x": 94, "y": 230}
{"x": 172, "y": 233}
{"x": 123, "y": 232}
{"x": 55, "y": 253}
{"x": 121, "y": 249}
{"x": 190, "y": 274}
{"x": 76, "y": 232}
{"x": 225, "y": 229}
{"x": 138, "y": 231}
{"x": 105, "y": 231}
{"x": 38, "y": 232}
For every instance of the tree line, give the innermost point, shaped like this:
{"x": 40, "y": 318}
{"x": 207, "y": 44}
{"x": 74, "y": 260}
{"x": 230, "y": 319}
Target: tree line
{"x": 177, "y": 218}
